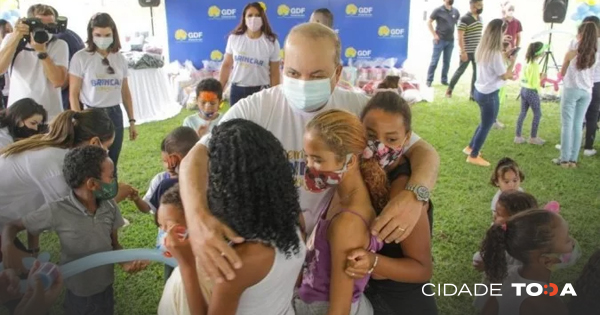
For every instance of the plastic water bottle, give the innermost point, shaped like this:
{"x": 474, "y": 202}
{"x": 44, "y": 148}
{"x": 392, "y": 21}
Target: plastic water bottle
{"x": 48, "y": 273}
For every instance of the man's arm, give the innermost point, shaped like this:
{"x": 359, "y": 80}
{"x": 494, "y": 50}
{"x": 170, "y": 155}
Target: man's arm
{"x": 461, "y": 40}
{"x": 9, "y": 46}
{"x": 431, "y": 29}
{"x": 401, "y": 214}
{"x": 55, "y": 72}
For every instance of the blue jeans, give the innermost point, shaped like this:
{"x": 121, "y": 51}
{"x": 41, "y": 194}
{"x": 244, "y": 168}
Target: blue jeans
{"x": 238, "y": 93}
{"x": 573, "y": 105}
{"x": 488, "y": 105}
{"x": 116, "y": 116}
{"x": 446, "y": 47}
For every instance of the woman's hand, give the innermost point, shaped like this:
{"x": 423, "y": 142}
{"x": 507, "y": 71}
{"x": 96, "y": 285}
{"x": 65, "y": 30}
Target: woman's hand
{"x": 132, "y": 131}
{"x": 398, "y": 218}
{"x": 37, "y": 300}
{"x": 9, "y": 286}
{"x": 359, "y": 262}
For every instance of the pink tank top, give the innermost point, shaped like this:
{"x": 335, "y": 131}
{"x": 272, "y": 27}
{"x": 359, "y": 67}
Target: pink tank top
{"x": 317, "y": 274}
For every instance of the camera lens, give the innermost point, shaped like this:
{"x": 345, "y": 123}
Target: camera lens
{"x": 40, "y": 36}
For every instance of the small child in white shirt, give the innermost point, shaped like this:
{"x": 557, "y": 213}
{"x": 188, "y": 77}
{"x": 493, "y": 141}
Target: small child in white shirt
{"x": 507, "y": 176}
{"x": 209, "y": 95}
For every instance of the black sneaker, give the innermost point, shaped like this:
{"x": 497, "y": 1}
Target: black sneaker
{"x": 445, "y": 83}
{"x": 428, "y": 84}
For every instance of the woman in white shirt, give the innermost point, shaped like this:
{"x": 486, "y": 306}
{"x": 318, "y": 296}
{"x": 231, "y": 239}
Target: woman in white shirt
{"x": 578, "y": 73}
{"x": 98, "y": 79}
{"x": 32, "y": 169}
{"x": 253, "y": 53}
{"x": 491, "y": 76}
{"x": 25, "y": 118}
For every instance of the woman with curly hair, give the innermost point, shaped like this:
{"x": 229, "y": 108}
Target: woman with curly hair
{"x": 540, "y": 240}
{"x": 251, "y": 189}
{"x": 587, "y": 301}
{"x": 334, "y": 144}
{"x": 578, "y": 73}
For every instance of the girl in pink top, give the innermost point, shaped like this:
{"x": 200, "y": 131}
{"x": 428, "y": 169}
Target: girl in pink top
{"x": 334, "y": 143}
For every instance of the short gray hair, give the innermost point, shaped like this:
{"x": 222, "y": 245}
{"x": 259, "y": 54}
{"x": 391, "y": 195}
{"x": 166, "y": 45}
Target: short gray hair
{"x": 318, "y": 31}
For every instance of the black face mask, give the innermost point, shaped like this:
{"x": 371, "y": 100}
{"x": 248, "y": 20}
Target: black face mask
{"x": 479, "y": 11}
{"x": 24, "y": 132}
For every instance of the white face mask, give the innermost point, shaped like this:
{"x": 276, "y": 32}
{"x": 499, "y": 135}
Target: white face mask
{"x": 103, "y": 42}
{"x": 307, "y": 95}
{"x": 254, "y": 23}
{"x": 510, "y": 14}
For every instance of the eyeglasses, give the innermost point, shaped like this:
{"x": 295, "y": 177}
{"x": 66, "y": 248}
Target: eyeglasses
{"x": 110, "y": 69}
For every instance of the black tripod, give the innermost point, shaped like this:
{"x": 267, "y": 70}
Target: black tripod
{"x": 544, "y": 61}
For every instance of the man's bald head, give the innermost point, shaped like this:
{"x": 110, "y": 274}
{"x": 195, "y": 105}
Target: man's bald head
{"x": 307, "y": 33}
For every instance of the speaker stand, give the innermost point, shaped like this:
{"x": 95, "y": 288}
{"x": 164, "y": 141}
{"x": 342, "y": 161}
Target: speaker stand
{"x": 152, "y": 20}
{"x": 549, "y": 55}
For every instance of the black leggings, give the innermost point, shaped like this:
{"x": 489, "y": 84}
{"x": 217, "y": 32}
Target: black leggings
{"x": 591, "y": 118}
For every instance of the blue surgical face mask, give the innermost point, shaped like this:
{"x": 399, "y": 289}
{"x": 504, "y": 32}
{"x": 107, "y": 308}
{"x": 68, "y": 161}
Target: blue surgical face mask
{"x": 208, "y": 115}
{"x": 103, "y": 42}
{"x": 307, "y": 95}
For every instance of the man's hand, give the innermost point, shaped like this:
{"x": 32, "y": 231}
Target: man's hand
{"x": 21, "y": 30}
{"x": 37, "y": 300}
{"x": 9, "y": 286}
{"x": 436, "y": 38}
{"x": 208, "y": 238}
{"x": 398, "y": 218}
{"x": 359, "y": 262}
{"x": 464, "y": 57}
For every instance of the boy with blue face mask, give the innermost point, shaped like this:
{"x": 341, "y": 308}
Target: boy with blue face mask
{"x": 209, "y": 95}
{"x": 86, "y": 222}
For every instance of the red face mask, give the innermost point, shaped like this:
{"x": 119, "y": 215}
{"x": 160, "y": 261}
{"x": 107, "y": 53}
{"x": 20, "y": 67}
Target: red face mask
{"x": 317, "y": 181}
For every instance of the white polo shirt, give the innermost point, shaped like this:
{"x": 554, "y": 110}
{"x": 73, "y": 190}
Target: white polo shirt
{"x": 270, "y": 109}
{"x": 251, "y": 59}
{"x": 29, "y": 180}
{"x": 98, "y": 87}
{"x": 27, "y": 78}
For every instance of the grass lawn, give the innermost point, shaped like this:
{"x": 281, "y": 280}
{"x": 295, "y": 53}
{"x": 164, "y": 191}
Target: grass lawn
{"x": 462, "y": 195}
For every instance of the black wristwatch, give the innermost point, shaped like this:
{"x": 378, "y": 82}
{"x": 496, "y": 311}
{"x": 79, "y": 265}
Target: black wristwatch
{"x": 421, "y": 192}
{"x": 42, "y": 56}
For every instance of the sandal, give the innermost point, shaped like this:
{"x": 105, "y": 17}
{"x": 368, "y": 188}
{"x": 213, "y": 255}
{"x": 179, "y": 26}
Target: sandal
{"x": 563, "y": 164}
{"x": 572, "y": 164}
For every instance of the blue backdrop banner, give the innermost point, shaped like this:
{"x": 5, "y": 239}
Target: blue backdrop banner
{"x": 368, "y": 28}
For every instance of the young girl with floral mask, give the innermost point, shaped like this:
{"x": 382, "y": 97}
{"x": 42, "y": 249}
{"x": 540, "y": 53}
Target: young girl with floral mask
{"x": 334, "y": 143}
{"x": 399, "y": 271}
{"x": 540, "y": 240}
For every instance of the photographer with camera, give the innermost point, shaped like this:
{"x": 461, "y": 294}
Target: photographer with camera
{"x": 36, "y": 61}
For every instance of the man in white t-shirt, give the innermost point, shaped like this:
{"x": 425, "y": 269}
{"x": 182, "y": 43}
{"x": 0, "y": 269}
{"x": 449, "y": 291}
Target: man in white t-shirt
{"x": 39, "y": 70}
{"x": 311, "y": 72}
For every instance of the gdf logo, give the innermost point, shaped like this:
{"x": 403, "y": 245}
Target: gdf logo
{"x": 351, "y": 52}
{"x": 385, "y": 31}
{"x": 215, "y": 12}
{"x": 285, "y": 11}
{"x": 354, "y": 10}
{"x": 216, "y": 55}
{"x": 182, "y": 35}
{"x": 536, "y": 289}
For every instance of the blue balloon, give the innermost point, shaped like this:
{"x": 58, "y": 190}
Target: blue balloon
{"x": 583, "y": 9}
{"x": 575, "y": 17}
{"x": 595, "y": 9}
{"x": 107, "y": 258}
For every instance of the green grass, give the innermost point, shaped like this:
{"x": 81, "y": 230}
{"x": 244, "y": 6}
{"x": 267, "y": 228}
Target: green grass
{"x": 462, "y": 195}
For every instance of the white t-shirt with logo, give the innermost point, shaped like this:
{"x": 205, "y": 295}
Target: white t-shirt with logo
{"x": 27, "y": 78}
{"x": 269, "y": 108}
{"x": 251, "y": 59}
{"x": 98, "y": 88}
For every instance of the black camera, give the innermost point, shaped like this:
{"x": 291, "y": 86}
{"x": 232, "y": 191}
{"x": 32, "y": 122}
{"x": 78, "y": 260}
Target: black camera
{"x": 41, "y": 32}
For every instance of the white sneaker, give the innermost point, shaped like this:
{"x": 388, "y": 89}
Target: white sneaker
{"x": 558, "y": 147}
{"x": 591, "y": 152}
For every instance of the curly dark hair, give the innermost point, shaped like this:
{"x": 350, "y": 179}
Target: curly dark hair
{"x": 587, "y": 288}
{"x": 588, "y": 46}
{"x": 524, "y": 232}
{"x": 251, "y": 185}
{"x": 210, "y": 85}
{"x": 171, "y": 197}
{"x": 504, "y": 166}
{"x": 391, "y": 103}
{"x": 515, "y": 201}
{"x": 83, "y": 163}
